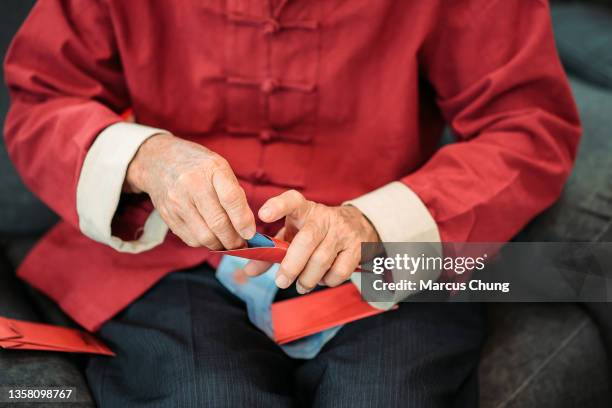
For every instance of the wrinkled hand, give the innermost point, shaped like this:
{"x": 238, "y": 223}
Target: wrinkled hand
{"x": 325, "y": 241}
{"x": 194, "y": 190}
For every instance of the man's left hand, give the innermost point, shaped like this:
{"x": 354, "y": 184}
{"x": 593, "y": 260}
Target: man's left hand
{"x": 325, "y": 242}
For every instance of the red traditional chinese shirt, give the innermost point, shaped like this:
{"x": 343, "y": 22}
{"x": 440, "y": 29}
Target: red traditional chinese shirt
{"x": 341, "y": 100}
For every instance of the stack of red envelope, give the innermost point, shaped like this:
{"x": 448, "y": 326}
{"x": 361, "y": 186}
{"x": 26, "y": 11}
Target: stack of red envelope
{"x": 20, "y": 335}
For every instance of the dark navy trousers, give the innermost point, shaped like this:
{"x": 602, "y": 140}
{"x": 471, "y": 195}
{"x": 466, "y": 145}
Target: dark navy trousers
{"x": 188, "y": 343}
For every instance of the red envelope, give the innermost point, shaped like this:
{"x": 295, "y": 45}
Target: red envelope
{"x": 274, "y": 253}
{"x": 17, "y": 334}
{"x": 302, "y": 316}
{"x": 308, "y": 314}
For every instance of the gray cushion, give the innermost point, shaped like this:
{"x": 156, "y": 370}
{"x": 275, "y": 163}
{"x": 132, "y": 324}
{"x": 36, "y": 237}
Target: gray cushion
{"x": 584, "y": 38}
{"x": 553, "y": 355}
{"x": 16, "y": 249}
{"x": 543, "y": 355}
{"x": 20, "y": 212}
{"x": 584, "y": 211}
{"x": 35, "y": 368}
{"x": 13, "y": 301}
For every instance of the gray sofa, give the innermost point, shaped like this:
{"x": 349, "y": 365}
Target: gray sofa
{"x": 536, "y": 355}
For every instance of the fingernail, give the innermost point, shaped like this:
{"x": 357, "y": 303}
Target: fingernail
{"x": 300, "y": 289}
{"x": 321, "y": 283}
{"x": 282, "y": 281}
{"x": 265, "y": 212}
{"x": 248, "y": 232}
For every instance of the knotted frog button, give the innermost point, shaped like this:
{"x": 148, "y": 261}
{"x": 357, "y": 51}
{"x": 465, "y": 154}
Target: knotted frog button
{"x": 271, "y": 26}
{"x": 259, "y": 176}
{"x": 269, "y": 85}
{"x": 267, "y": 135}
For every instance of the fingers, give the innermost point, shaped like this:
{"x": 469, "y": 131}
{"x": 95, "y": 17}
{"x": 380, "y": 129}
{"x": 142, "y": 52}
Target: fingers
{"x": 344, "y": 265}
{"x": 190, "y": 227}
{"x": 256, "y": 268}
{"x": 178, "y": 227}
{"x": 324, "y": 241}
{"x": 298, "y": 254}
{"x": 233, "y": 200}
{"x": 216, "y": 218}
{"x": 290, "y": 203}
{"x": 224, "y": 208}
{"x": 310, "y": 254}
{"x": 319, "y": 263}
{"x": 200, "y": 232}
{"x": 196, "y": 193}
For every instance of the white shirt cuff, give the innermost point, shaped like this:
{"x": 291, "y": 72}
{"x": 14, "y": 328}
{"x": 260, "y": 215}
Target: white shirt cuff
{"x": 398, "y": 215}
{"x": 100, "y": 184}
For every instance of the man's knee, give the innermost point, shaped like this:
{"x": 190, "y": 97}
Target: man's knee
{"x": 419, "y": 355}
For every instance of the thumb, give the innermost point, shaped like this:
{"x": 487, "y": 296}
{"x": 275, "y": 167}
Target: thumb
{"x": 290, "y": 203}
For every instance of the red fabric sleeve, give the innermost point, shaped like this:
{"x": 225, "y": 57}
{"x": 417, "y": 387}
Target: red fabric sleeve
{"x": 502, "y": 89}
{"x": 66, "y": 85}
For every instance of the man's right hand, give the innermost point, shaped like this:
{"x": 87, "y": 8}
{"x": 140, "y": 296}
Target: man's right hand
{"x": 194, "y": 190}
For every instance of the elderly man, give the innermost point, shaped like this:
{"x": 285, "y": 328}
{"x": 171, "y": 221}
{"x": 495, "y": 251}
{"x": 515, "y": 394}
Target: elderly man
{"x": 318, "y": 121}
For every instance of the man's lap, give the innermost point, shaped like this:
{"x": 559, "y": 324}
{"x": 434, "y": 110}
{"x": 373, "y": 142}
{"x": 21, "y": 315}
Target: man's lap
{"x": 188, "y": 342}
{"x": 160, "y": 363}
